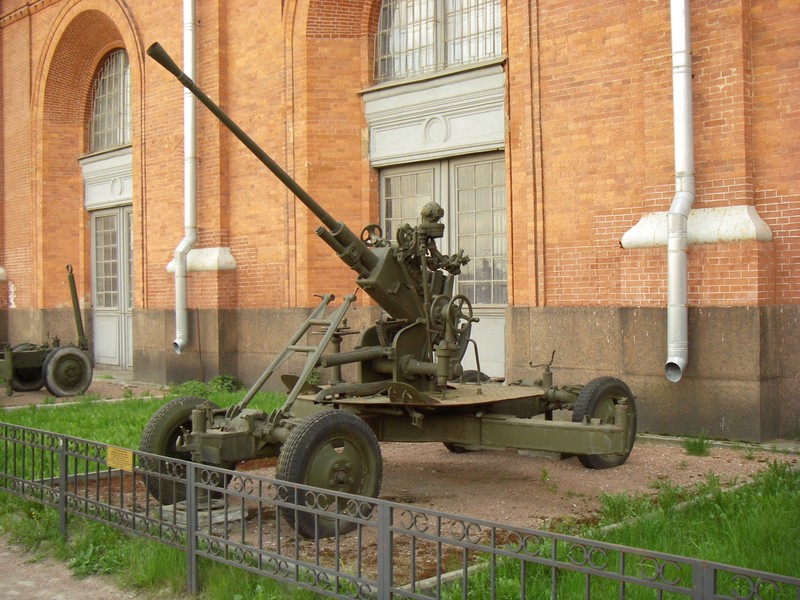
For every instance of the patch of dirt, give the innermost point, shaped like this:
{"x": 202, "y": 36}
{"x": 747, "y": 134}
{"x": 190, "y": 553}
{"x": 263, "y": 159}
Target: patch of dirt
{"x": 529, "y": 491}
{"x": 102, "y": 388}
{"x": 517, "y": 490}
{"x": 26, "y": 576}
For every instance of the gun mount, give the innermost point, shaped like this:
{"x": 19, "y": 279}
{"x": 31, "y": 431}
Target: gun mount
{"x": 406, "y": 364}
{"x": 63, "y": 370}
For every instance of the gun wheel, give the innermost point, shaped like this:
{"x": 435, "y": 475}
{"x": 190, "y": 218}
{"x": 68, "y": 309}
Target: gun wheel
{"x": 67, "y": 372}
{"x": 597, "y": 400}
{"x": 160, "y": 436}
{"x": 455, "y": 448}
{"x": 27, "y": 379}
{"x": 333, "y": 450}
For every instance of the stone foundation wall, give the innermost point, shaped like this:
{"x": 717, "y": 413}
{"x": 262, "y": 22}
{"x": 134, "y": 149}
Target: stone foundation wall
{"x": 741, "y": 381}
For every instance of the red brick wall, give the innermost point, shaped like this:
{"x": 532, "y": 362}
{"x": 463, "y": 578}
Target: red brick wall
{"x": 589, "y": 145}
{"x": 775, "y": 145}
{"x": 604, "y": 108}
{"x": 16, "y": 168}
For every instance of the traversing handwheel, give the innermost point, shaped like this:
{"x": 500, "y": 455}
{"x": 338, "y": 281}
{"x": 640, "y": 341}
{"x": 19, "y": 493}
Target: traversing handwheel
{"x": 598, "y": 400}
{"x": 334, "y": 450}
{"x": 371, "y": 234}
{"x": 459, "y": 313}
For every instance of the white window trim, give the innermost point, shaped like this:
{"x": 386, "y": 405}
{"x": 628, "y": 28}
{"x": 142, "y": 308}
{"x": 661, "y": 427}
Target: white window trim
{"x": 456, "y": 114}
{"x": 107, "y": 179}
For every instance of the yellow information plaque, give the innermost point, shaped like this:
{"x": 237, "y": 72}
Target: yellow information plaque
{"x": 119, "y": 458}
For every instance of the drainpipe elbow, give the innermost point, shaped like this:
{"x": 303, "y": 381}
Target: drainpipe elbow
{"x": 681, "y": 203}
{"x": 673, "y": 369}
{"x": 186, "y": 244}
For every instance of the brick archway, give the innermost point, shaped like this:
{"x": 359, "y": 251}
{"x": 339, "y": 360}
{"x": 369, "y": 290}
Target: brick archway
{"x": 83, "y": 36}
{"x": 331, "y": 49}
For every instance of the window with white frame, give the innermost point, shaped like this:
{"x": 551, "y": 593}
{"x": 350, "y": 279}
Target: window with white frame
{"x": 472, "y": 192}
{"x": 480, "y": 198}
{"x": 416, "y": 37}
{"x": 110, "y": 122}
{"x": 404, "y": 195}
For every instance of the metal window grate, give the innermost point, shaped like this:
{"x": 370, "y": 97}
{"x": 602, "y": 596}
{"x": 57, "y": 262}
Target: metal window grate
{"x": 111, "y": 104}
{"x": 472, "y": 31}
{"x": 424, "y": 36}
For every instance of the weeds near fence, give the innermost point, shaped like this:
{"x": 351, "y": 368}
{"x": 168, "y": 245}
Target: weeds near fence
{"x": 697, "y": 446}
{"x": 756, "y": 525}
{"x": 748, "y": 527}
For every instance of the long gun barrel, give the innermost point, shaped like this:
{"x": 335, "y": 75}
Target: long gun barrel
{"x": 338, "y": 236}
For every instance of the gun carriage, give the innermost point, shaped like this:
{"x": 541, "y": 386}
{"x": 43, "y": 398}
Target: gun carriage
{"x": 63, "y": 370}
{"x": 408, "y": 367}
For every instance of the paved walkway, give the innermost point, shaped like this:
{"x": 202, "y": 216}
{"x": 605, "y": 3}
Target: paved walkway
{"x": 24, "y": 576}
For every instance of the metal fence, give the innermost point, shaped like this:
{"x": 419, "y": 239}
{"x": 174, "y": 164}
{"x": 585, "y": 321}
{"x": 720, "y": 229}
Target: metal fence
{"x": 378, "y": 549}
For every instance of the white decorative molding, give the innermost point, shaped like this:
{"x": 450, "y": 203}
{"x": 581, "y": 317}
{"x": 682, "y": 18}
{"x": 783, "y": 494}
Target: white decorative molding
{"x": 705, "y": 226}
{"x": 437, "y": 130}
{"x": 107, "y": 179}
{"x": 446, "y": 116}
{"x": 207, "y": 259}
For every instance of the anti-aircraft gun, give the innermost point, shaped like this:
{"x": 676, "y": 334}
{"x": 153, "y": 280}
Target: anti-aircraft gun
{"x": 408, "y": 367}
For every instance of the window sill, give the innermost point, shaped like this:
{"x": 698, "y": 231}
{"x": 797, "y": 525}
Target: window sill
{"x": 426, "y": 77}
{"x": 104, "y": 154}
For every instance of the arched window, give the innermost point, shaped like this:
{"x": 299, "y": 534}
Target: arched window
{"x": 110, "y": 125}
{"x": 416, "y": 37}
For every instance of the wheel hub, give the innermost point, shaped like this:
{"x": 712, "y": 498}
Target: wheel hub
{"x": 341, "y": 476}
{"x": 68, "y": 372}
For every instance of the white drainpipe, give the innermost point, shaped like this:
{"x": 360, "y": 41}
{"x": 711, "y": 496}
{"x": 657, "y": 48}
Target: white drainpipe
{"x": 677, "y": 218}
{"x": 189, "y": 183}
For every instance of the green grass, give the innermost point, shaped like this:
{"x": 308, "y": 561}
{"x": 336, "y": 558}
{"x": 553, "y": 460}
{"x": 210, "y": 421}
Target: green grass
{"x": 118, "y": 423}
{"x": 697, "y": 446}
{"x": 93, "y": 548}
{"x": 756, "y": 526}
{"x": 134, "y": 563}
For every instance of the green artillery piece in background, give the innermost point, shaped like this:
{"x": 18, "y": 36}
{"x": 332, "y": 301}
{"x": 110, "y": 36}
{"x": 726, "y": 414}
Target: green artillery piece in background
{"x": 63, "y": 370}
{"x": 408, "y": 365}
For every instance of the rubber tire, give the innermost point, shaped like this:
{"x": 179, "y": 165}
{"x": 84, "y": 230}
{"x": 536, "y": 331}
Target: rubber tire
{"x": 159, "y": 437}
{"x": 314, "y": 444}
{"x": 596, "y": 399}
{"x": 67, "y": 371}
{"x": 472, "y": 376}
{"x": 455, "y": 448}
{"x": 28, "y": 379}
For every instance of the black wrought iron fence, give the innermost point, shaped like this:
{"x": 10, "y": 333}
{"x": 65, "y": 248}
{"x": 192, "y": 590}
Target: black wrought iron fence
{"x": 378, "y": 549}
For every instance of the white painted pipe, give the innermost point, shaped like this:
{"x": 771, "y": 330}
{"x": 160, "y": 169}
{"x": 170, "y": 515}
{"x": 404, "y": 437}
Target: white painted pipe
{"x": 189, "y": 183}
{"x": 678, "y": 216}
